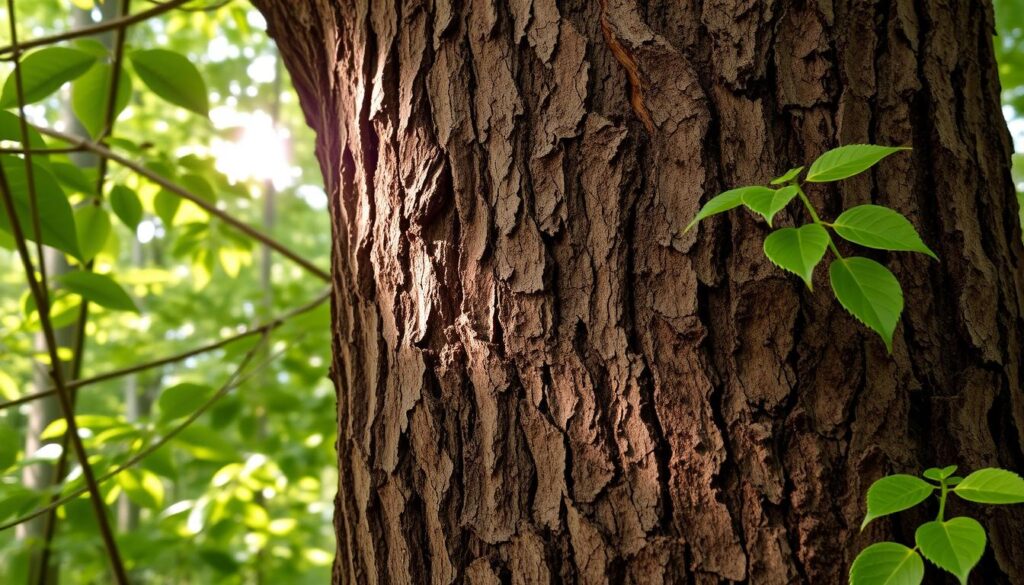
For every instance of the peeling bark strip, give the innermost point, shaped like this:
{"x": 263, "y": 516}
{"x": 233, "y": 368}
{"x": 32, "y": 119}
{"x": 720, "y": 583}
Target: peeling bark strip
{"x": 541, "y": 379}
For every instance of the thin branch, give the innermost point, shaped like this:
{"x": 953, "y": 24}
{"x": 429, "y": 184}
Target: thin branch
{"x": 64, "y": 397}
{"x": 43, "y": 151}
{"x": 234, "y": 381}
{"x": 89, "y": 31}
{"x": 246, "y": 229}
{"x": 115, "y": 81}
{"x": 266, "y": 327}
{"x": 210, "y": 8}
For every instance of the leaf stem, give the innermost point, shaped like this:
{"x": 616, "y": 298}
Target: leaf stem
{"x": 814, "y": 217}
{"x": 942, "y": 499}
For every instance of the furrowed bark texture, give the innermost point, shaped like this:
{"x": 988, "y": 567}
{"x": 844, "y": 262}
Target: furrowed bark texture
{"x": 542, "y": 379}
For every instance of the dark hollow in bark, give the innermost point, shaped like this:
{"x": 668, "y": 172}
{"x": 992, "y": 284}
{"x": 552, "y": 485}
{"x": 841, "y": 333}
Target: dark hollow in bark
{"x": 542, "y": 379}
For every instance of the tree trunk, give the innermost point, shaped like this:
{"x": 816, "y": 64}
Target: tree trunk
{"x": 541, "y": 378}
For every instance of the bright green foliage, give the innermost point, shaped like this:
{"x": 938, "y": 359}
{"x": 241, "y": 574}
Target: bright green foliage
{"x": 992, "y": 486}
{"x": 166, "y": 206}
{"x": 98, "y": 288}
{"x": 56, "y": 218}
{"x": 847, "y": 161}
{"x": 865, "y": 288}
{"x": 895, "y": 493}
{"x": 143, "y": 487}
{"x": 887, "y": 563}
{"x": 43, "y": 72}
{"x": 93, "y": 226}
{"x": 768, "y": 203}
{"x": 726, "y": 201}
{"x": 787, "y": 177}
{"x": 243, "y": 493}
{"x": 72, "y": 178}
{"x": 89, "y": 97}
{"x": 955, "y": 545}
{"x": 869, "y": 292}
{"x": 881, "y": 228}
{"x": 182, "y": 399}
{"x": 936, "y": 474}
{"x": 797, "y": 250}
{"x": 10, "y": 129}
{"x": 126, "y": 205}
{"x": 172, "y": 77}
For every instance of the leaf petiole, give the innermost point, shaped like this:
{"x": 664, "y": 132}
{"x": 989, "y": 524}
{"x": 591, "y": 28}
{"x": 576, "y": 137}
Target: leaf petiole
{"x": 814, "y": 217}
{"x": 942, "y": 499}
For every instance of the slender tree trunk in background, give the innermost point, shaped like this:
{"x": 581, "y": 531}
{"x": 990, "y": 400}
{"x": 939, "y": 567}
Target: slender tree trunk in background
{"x": 542, "y": 379}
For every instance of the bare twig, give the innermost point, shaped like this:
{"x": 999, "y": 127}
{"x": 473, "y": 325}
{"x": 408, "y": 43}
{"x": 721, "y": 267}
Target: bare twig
{"x": 43, "y": 151}
{"x": 227, "y": 218}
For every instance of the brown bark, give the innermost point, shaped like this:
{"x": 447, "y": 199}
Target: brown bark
{"x": 542, "y": 379}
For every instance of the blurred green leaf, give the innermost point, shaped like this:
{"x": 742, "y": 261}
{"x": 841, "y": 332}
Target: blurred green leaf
{"x": 172, "y": 77}
{"x": 98, "y": 288}
{"x": 43, "y": 72}
{"x": 55, "y": 214}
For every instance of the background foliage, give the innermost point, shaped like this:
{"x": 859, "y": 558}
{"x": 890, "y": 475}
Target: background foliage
{"x": 244, "y": 495}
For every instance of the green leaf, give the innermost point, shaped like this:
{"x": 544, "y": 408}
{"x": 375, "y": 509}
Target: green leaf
{"x": 933, "y": 473}
{"x": 992, "y": 486}
{"x": 787, "y": 176}
{"x": 19, "y": 500}
{"x": 55, "y": 215}
{"x": 887, "y": 563}
{"x": 43, "y": 72}
{"x": 166, "y": 205}
{"x": 182, "y": 400}
{"x": 205, "y": 444}
{"x": 955, "y": 545}
{"x": 879, "y": 227}
{"x": 93, "y": 47}
{"x": 126, "y": 206}
{"x": 93, "y": 225}
{"x": 9, "y": 445}
{"x": 797, "y": 250}
{"x": 10, "y": 129}
{"x": 724, "y": 202}
{"x": 895, "y": 493}
{"x": 172, "y": 77}
{"x": 89, "y": 95}
{"x": 869, "y": 292}
{"x": 199, "y": 186}
{"x": 847, "y": 161}
{"x": 768, "y": 202}
{"x": 98, "y": 288}
{"x": 73, "y": 178}
{"x": 142, "y": 487}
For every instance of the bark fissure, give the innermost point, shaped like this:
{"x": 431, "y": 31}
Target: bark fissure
{"x": 543, "y": 379}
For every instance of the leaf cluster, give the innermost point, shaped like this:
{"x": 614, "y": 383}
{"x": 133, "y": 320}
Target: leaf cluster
{"x": 864, "y": 287}
{"x": 955, "y": 545}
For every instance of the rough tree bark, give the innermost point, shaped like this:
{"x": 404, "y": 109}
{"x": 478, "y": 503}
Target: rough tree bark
{"x": 542, "y": 379}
